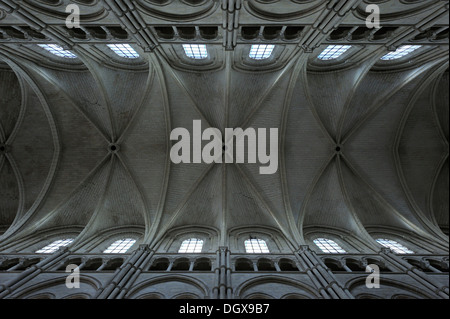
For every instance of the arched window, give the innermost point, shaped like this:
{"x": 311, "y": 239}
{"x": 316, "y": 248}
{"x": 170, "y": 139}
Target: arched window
{"x": 400, "y": 52}
{"x": 256, "y": 246}
{"x": 51, "y": 248}
{"x": 333, "y": 52}
{"x": 192, "y": 245}
{"x": 58, "y": 51}
{"x": 120, "y": 246}
{"x": 195, "y": 51}
{"x": 124, "y": 50}
{"x": 328, "y": 246}
{"x": 261, "y": 51}
{"x": 394, "y": 246}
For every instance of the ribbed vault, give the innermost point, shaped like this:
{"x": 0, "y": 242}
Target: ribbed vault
{"x": 362, "y": 146}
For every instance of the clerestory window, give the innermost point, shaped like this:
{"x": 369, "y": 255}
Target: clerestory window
{"x": 261, "y": 51}
{"x": 58, "y": 51}
{"x": 394, "y": 246}
{"x": 54, "y": 246}
{"x": 195, "y": 51}
{"x": 124, "y": 50}
{"x": 328, "y": 246}
{"x": 333, "y": 52}
{"x": 400, "y": 52}
{"x": 256, "y": 246}
{"x": 120, "y": 246}
{"x": 192, "y": 245}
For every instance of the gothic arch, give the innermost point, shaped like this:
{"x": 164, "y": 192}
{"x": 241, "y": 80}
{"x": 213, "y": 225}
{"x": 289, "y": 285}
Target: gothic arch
{"x": 43, "y": 238}
{"x": 173, "y": 238}
{"x": 388, "y": 288}
{"x": 57, "y": 287}
{"x": 195, "y": 286}
{"x": 99, "y": 242}
{"x": 344, "y": 239}
{"x": 253, "y": 285}
{"x": 274, "y": 239}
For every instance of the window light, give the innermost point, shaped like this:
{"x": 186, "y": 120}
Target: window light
{"x": 192, "y": 245}
{"x": 124, "y": 50}
{"x": 51, "y": 248}
{"x": 400, "y": 52}
{"x": 333, "y": 52}
{"x": 256, "y": 246}
{"x": 328, "y": 246}
{"x": 261, "y": 51}
{"x": 120, "y": 246}
{"x": 394, "y": 246}
{"x": 195, "y": 51}
{"x": 58, "y": 51}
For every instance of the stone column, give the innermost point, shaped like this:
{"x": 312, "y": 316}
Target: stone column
{"x": 33, "y": 271}
{"x": 418, "y": 275}
{"x": 120, "y": 273}
{"x": 222, "y": 273}
{"x": 228, "y": 277}
{"x": 323, "y": 274}
{"x": 139, "y": 268}
{"x": 18, "y": 265}
{"x": 131, "y": 271}
{"x": 104, "y": 263}
{"x": 277, "y": 267}
{"x": 216, "y": 276}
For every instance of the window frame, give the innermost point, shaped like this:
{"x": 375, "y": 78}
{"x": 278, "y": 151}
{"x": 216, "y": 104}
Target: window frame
{"x": 186, "y": 244}
{"x": 331, "y": 53}
{"x": 258, "y": 53}
{"x": 394, "y": 246}
{"x": 328, "y": 246}
{"x": 53, "y": 246}
{"x": 124, "y": 242}
{"x": 57, "y": 50}
{"x": 195, "y": 51}
{"x": 123, "y": 50}
{"x": 257, "y": 245}
{"x": 400, "y": 52}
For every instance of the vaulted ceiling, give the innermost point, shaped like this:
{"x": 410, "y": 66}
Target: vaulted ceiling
{"x": 363, "y": 143}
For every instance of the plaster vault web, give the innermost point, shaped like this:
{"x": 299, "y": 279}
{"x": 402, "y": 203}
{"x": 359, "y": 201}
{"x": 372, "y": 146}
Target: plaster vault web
{"x": 86, "y": 177}
{"x": 324, "y": 171}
